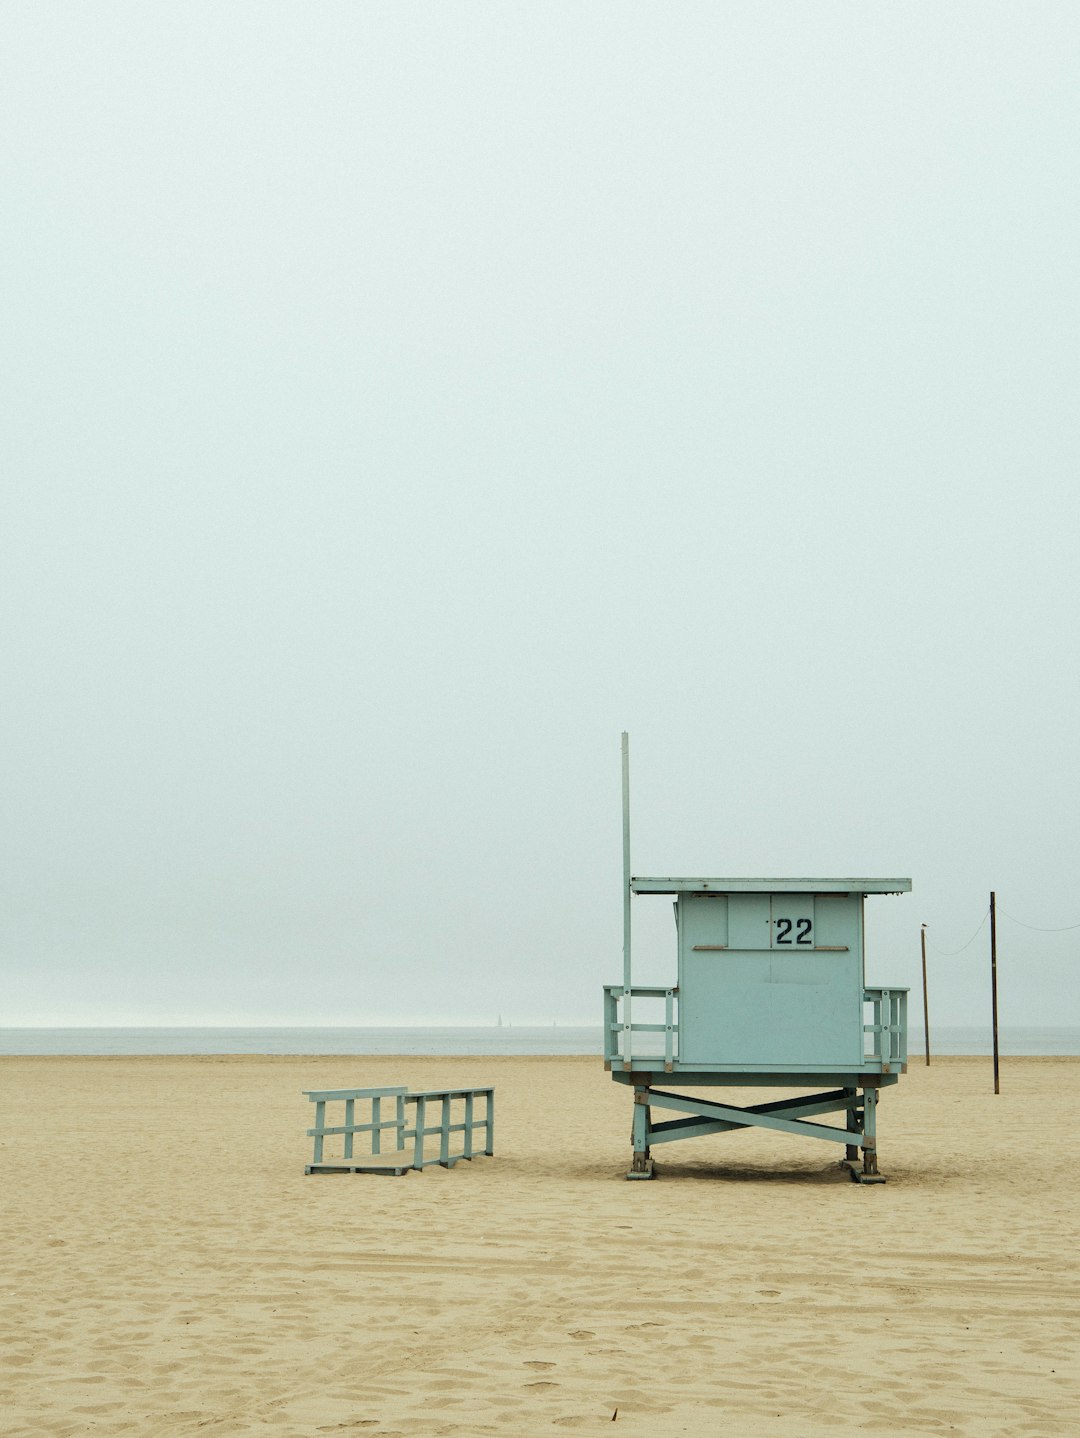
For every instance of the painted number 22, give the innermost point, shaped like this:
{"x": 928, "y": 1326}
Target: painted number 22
{"x": 803, "y": 931}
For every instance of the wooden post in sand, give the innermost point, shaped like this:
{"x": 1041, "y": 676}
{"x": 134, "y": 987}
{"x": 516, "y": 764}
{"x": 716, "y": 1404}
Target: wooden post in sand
{"x": 993, "y": 984}
{"x": 925, "y": 1000}
{"x": 627, "y": 1030}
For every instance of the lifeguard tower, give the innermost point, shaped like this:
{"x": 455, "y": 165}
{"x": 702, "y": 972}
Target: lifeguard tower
{"x": 770, "y": 993}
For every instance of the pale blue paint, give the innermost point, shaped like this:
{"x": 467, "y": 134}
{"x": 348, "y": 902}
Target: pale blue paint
{"x": 749, "y": 998}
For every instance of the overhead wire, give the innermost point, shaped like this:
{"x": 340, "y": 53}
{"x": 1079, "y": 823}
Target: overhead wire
{"x": 1064, "y": 929}
{"x": 1037, "y": 928}
{"x": 952, "y": 953}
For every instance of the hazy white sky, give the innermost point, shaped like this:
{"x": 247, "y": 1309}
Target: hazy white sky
{"x": 401, "y": 400}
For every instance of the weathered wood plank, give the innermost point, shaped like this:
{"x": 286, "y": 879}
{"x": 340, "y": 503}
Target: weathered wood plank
{"x": 394, "y": 1169}
{"x": 317, "y": 1095}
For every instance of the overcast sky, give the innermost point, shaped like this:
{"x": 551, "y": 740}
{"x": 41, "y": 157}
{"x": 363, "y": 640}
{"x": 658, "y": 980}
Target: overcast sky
{"x": 401, "y": 400}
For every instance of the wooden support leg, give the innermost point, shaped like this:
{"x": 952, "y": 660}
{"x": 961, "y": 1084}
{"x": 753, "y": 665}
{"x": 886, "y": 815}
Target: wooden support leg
{"x": 641, "y": 1166}
{"x": 851, "y": 1152}
{"x": 868, "y": 1173}
{"x": 869, "y": 1153}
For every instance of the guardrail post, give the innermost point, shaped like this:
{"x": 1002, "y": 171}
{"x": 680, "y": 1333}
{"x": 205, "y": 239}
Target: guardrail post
{"x": 489, "y": 1094}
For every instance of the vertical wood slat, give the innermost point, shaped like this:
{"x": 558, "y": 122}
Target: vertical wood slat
{"x": 421, "y": 1124}
{"x": 611, "y": 1014}
{"x": 376, "y": 1119}
{"x": 320, "y": 1124}
{"x": 901, "y": 1019}
{"x": 468, "y": 1125}
{"x": 444, "y": 1133}
{"x": 400, "y": 1121}
{"x": 886, "y": 1036}
{"x": 350, "y": 1120}
{"x": 878, "y": 1041}
{"x": 489, "y": 1095}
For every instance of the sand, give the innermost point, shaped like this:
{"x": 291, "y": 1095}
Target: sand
{"x": 169, "y": 1269}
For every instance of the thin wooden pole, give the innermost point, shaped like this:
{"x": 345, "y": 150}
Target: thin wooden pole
{"x": 993, "y": 984}
{"x": 627, "y": 1031}
{"x": 925, "y": 1000}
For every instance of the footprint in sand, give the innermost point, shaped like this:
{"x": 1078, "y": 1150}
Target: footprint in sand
{"x": 582, "y": 1333}
{"x": 543, "y": 1383}
{"x": 537, "y": 1363}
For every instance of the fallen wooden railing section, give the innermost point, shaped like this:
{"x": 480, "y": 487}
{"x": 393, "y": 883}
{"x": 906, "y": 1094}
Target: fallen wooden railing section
{"x": 388, "y": 1111}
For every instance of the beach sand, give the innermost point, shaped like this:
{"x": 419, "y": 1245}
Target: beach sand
{"x": 169, "y": 1269}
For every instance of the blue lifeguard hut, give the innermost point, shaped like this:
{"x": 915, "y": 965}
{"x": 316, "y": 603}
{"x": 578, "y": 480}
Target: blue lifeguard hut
{"x": 770, "y": 993}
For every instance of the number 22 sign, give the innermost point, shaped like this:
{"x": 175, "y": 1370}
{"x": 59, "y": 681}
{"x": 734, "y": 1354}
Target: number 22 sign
{"x": 803, "y": 932}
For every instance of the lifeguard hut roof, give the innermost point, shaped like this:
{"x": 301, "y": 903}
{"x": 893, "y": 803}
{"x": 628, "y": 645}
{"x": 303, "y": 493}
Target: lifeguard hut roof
{"x": 770, "y": 886}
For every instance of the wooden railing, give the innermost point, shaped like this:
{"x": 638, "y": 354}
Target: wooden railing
{"x": 619, "y": 1037}
{"x": 888, "y": 1049}
{"x": 409, "y": 1150}
{"x": 886, "y": 1052}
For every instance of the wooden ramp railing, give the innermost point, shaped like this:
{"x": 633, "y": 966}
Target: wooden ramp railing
{"x": 408, "y": 1150}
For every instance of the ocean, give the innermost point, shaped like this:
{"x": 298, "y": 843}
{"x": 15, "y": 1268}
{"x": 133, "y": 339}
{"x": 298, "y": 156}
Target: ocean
{"x": 506, "y": 1039}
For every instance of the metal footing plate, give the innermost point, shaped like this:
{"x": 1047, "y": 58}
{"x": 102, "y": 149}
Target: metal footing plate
{"x": 855, "y": 1169}
{"x": 644, "y": 1171}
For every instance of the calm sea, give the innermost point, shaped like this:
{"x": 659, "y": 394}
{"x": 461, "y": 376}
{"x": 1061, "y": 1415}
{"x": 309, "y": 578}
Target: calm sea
{"x": 491, "y": 1040}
